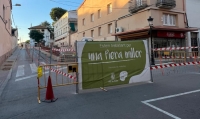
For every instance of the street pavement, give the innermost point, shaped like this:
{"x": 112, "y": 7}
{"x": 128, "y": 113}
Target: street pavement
{"x": 174, "y": 94}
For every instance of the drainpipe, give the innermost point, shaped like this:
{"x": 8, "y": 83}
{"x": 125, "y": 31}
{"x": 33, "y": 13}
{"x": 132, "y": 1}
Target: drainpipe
{"x": 188, "y": 34}
{"x": 116, "y": 38}
{"x": 69, "y": 38}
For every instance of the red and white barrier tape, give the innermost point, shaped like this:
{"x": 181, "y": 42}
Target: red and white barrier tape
{"x": 169, "y": 57}
{"x": 173, "y": 48}
{"x": 60, "y": 72}
{"x": 63, "y": 50}
{"x": 174, "y": 65}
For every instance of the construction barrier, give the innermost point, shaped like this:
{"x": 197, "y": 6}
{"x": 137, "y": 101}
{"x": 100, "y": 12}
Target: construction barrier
{"x": 175, "y": 48}
{"x": 174, "y": 65}
{"x": 67, "y": 58}
{"x": 64, "y": 50}
{"x": 169, "y": 57}
{"x": 58, "y": 75}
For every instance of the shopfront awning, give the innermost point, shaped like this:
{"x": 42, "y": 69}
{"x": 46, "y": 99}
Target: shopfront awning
{"x": 144, "y": 32}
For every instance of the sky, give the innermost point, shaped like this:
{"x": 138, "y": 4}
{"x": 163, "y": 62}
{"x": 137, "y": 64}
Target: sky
{"x": 36, "y": 11}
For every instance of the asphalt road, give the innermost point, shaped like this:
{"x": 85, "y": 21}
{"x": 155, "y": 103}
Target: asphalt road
{"x": 175, "y": 93}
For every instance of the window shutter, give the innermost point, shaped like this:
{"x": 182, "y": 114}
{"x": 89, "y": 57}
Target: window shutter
{"x": 171, "y": 19}
{"x": 174, "y": 20}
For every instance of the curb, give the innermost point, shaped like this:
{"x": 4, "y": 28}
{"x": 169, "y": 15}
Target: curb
{"x": 5, "y": 82}
{"x": 8, "y": 76}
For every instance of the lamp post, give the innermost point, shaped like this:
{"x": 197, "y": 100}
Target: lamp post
{"x": 39, "y": 44}
{"x": 150, "y": 20}
{"x": 14, "y": 5}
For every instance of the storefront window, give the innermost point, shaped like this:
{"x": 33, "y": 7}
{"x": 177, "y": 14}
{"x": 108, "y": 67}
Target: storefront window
{"x": 168, "y": 42}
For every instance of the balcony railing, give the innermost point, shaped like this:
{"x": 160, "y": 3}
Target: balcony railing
{"x": 136, "y": 5}
{"x": 166, "y": 4}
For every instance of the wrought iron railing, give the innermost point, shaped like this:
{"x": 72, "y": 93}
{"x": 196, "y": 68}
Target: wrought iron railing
{"x": 136, "y": 5}
{"x": 166, "y": 4}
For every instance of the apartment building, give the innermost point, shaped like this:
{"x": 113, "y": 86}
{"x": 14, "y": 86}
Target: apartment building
{"x": 6, "y": 47}
{"x": 64, "y": 27}
{"x": 127, "y": 20}
{"x": 192, "y": 10}
{"x": 98, "y": 18}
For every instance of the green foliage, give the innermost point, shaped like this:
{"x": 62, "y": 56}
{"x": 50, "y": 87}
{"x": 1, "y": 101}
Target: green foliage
{"x": 56, "y": 13}
{"x": 46, "y": 24}
{"x": 27, "y": 41}
{"x": 53, "y": 23}
{"x": 36, "y": 35}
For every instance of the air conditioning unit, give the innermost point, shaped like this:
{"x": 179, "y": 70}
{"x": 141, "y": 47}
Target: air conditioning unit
{"x": 119, "y": 29}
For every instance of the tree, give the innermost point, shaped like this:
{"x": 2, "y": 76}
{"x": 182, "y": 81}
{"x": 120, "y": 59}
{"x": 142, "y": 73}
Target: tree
{"x": 56, "y": 13}
{"x": 46, "y": 24}
{"x": 36, "y": 35}
{"x": 27, "y": 41}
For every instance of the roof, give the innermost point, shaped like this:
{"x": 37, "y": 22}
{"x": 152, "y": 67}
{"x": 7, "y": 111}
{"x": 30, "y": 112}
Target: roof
{"x": 81, "y": 4}
{"x": 38, "y": 27}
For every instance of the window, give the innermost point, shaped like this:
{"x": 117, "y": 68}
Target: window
{"x": 84, "y": 21}
{"x": 100, "y": 31}
{"x": 109, "y": 28}
{"x": 92, "y": 33}
{"x": 92, "y": 17}
{"x": 83, "y": 34}
{"x": 169, "y": 19}
{"x": 3, "y": 12}
{"x": 61, "y": 32}
{"x": 109, "y": 8}
{"x": 139, "y": 2}
{"x": 99, "y": 13}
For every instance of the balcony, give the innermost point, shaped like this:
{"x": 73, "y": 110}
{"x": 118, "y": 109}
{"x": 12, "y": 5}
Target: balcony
{"x": 136, "y": 5}
{"x": 166, "y": 4}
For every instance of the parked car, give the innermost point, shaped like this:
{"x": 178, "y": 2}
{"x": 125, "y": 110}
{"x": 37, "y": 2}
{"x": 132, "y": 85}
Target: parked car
{"x": 87, "y": 39}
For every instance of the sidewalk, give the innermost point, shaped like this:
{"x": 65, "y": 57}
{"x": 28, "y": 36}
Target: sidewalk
{"x": 54, "y": 57}
{"x": 6, "y": 69}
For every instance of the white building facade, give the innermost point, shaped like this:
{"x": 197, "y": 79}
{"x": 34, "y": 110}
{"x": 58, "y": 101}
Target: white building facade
{"x": 64, "y": 27}
{"x": 47, "y": 34}
{"x": 192, "y": 10}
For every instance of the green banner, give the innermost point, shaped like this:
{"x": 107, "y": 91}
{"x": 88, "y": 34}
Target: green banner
{"x": 111, "y": 63}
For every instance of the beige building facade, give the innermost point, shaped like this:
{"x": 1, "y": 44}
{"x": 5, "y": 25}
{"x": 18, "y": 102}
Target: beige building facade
{"x": 6, "y": 40}
{"x": 64, "y": 27}
{"x": 127, "y": 20}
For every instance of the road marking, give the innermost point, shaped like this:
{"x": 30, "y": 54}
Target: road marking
{"x": 33, "y": 67}
{"x": 146, "y": 102}
{"x": 27, "y": 77}
{"x": 43, "y": 63}
{"x": 156, "y": 108}
{"x": 20, "y": 71}
{"x": 35, "y": 75}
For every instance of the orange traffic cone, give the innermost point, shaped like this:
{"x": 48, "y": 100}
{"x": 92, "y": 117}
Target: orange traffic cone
{"x": 49, "y": 91}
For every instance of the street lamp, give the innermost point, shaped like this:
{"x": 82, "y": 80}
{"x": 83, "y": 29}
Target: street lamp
{"x": 17, "y": 5}
{"x": 150, "y": 20}
{"x": 14, "y": 5}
